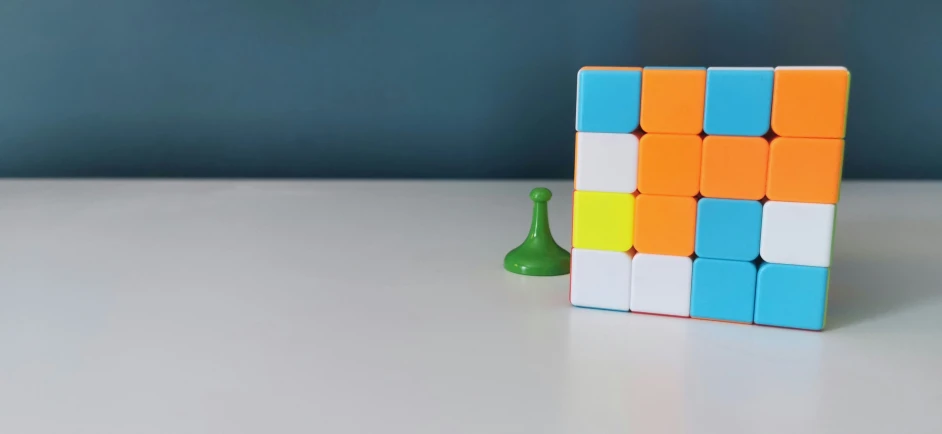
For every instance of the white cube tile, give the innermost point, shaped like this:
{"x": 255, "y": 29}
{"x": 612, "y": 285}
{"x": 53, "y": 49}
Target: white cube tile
{"x": 600, "y": 279}
{"x": 797, "y": 233}
{"x": 606, "y": 162}
{"x": 661, "y": 284}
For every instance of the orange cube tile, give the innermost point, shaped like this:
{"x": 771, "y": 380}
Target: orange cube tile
{"x": 805, "y": 170}
{"x": 810, "y": 102}
{"x": 669, "y": 164}
{"x": 672, "y": 100}
{"x": 734, "y": 167}
{"x": 665, "y": 225}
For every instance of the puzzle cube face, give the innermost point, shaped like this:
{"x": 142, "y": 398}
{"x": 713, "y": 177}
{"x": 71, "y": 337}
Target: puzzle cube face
{"x": 805, "y": 170}
{"x": 672, "y": 100}
{"x": 810, "y": 101}
{"x": 791, "y": 296}
{"x": 738, "y": 101}
{"x": 734, "y": 167}
{"x": 606, "y": 162}
{"x": 728, "y": 229}
{"x": 600, "y": 279}
{"x": 733, "y": 225}
{"x": 669, "y": 164}
{"x": 723, "y": 290}
{"x": 608, "y": 100}
{"x": 665, "y": 225}
{"x": 797, "y": 233}
{"x": 661, "y": 284}
{"x": 602, "y": 221}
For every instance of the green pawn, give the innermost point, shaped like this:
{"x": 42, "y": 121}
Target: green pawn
{"x": 539, "y": 255}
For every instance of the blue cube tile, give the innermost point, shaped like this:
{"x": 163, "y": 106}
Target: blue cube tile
{"x": 738, "y": 101}
{"x": 728, "y": 229}
{"x": 723, "y": 290}
{"x": 792, "y": 296}
{"x": 608, "y": 100}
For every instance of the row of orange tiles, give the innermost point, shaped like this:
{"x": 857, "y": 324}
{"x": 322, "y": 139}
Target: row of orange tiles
{"x": 750, "y": 168}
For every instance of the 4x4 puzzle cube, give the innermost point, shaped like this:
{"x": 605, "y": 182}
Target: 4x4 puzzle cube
{"x": 708, "y": 192}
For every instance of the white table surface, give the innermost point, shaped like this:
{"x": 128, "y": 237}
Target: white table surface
{"x": 282, "y": 307}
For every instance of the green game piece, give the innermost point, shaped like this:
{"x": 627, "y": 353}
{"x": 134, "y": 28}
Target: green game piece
{"x": 539, "y": 255}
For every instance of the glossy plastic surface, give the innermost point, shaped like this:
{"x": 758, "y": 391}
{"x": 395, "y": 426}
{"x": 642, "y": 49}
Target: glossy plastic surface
{"x": 601, "y": 279}
{"x": 805, "y": 170}
{"x": 791, "y": 296}
{"x": 728, "y": 229}
{"x": 810, "y": 101}
{"x": 539, "y": 255}
{"x": 606, "y": 162}
{"x": 723, "y": 290}
{"x": 603, "y": 221}
{"x": 660, "y": 284}
{"x": 608, "y": 100}
{"x": 734, "y": 167}
{"x": 738, "y": 101}
{"x": 665, "y": 225}
{"x": 672, "y": 100}
{"x": 669, "y": 164}
{"x": 797, "y": 233}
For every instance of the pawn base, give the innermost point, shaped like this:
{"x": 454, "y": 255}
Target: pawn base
{"x": 530, "y": 262}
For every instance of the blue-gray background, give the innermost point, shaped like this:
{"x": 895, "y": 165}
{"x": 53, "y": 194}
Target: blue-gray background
{"x": 416, "y": 88}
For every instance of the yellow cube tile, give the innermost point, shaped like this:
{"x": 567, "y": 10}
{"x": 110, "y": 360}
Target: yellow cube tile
{"x": 603, "y": 221}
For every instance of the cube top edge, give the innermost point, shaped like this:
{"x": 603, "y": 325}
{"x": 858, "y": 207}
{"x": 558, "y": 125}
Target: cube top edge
{"x": 696, "y": 68}
{"x": 610, "y": 68}
{"x": 715, "y": 68}
{"x": 811, "y": 68}
{"x": 741, "y": 68}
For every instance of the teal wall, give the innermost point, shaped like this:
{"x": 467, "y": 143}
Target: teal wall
{"x": 416, "y": 88}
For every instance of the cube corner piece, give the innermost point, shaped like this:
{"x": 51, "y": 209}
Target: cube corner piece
{"x": 810, "y": 101}
{"x": 608, "y": 99}
{"x": 792, "y": 296}
{"x": 600, "y": 279}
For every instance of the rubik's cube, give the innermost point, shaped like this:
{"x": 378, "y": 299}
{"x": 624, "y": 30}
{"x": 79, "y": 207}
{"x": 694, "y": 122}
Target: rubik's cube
{"x": 708, "y": 192}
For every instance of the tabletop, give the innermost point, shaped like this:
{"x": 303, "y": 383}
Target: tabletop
{"x": 131, "y": 306}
